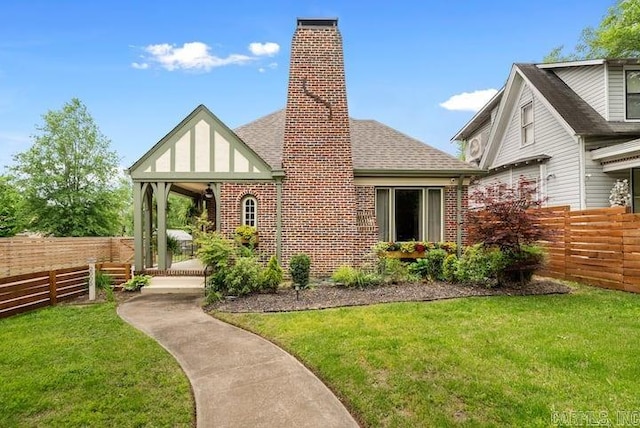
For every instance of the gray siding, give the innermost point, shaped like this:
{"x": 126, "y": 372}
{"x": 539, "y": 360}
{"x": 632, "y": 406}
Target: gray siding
{"x": 551, "y": 138}
{"x": 588, "y": 82}
{"x": 598, "y": 184}
{"x": 616, "y": 93}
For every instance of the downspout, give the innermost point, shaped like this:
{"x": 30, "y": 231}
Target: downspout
{"x": 459, "y": 216}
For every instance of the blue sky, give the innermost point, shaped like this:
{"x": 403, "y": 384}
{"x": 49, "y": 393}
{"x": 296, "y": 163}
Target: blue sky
{"x": 141, "y": 66}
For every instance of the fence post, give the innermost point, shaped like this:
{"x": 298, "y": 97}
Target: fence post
{"x": 128, "y": 274}
{"x": 53, "y": 294}
{"x": 92, "y": 278}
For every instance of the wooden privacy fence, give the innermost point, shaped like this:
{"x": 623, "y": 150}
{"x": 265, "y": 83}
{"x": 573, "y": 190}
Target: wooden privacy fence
{"x": 30, "y": 291}
{"x": 119, "y": 272}
{"x": 28, "y": 255}
{"x": 597, "y": 246}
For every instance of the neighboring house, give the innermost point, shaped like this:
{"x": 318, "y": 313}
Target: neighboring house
{"x": 310, "y": 178}
{"x": 574, "y": 127}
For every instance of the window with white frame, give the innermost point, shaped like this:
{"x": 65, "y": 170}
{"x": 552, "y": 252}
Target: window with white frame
{"x": 632, "y": 94}
{"x": 409, "y": 214}
{"x": 526, "y": 121}
{"x": 250, "y": 211}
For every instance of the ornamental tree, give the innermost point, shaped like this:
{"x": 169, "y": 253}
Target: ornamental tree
{"x": 504, "y": 216}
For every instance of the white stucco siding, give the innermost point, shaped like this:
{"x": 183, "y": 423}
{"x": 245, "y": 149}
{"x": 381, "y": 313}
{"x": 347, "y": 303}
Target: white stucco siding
{"x": 221, "y": 148}
{"x": 240, "y": 163}
{"x": 202, "y": 147}
{"x": 182, "y": 153}
{"x": 616, "y": 92}
{"x": 588, "y": 82}
{"x": 163, "y": 163}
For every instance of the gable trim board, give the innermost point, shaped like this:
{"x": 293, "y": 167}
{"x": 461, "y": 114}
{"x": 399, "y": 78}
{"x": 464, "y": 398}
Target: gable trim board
{"x": 200, "y": 147}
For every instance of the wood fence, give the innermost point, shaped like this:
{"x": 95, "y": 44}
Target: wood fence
{"x": 119, "y": 272}
{"x": 30, "y": 291}
{"x": 598, "y": 246}
{"x": 28, "y": 255}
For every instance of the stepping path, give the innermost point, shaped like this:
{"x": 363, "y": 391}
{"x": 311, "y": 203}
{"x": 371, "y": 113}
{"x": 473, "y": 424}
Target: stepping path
{"x": 238, "y": 378}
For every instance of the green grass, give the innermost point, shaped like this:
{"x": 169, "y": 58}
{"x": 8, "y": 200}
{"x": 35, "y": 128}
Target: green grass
{"x": 84, "y": 366}
{"x": 497, "y": 361}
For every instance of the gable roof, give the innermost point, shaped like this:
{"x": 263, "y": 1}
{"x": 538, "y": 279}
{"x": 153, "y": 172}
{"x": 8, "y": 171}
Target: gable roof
{"x": 577, "y": 113}
{"x": 479, "y": 118}
{"x": 571, "y": 111}
{"x": 200, "y": 147}
{"x": 375, "y": 147}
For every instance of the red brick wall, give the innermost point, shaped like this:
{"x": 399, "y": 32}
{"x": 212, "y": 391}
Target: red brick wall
{"x": 450, "y": 212}
{"x": 231, "y": 195}
{"x": 319, "y": 202}
{"x": 367, "y": 236}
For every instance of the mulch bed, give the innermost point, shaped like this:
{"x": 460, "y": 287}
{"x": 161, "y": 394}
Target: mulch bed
{"x": 326, "y": 295}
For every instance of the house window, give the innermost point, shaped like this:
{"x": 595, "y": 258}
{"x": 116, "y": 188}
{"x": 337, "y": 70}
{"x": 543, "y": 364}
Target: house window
{"x": 526, "y": 120}
{"x": 249, "y": 211}
{"x": 632, "y": 93}
{"x": 409, "y": 214}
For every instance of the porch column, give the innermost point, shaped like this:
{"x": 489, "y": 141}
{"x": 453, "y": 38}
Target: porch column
{"x": 279, "y": 220}
{"x": 148, "y": 225}
{"x": 137, "y": 226}
{"x": 161, "y": 234}
{"x": 216, "y": 192}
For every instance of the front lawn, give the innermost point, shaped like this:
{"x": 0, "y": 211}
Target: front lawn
{"x": 501, "y": 361}
{"x": 84, "y": 366}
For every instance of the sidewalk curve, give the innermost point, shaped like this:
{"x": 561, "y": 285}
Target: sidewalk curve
{"x": 238, "y": 378}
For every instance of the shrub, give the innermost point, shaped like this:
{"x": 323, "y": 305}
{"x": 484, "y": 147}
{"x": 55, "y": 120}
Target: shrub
{"x": 355, "y": 277}
{"x": 345, "y": 275}
{"x": 395, "y": 271}
{"x": 420, "y": 268}
{"x": 480, "y": 265}
{"x": 434, "y": 260}
{"x": 136, "y": 283}
{"x": 243, "y": 277}
{"x": 271, "y": 276}
{"x": 299, "y": 267}
{"x": 215, "y": 250}
{"x": 449, "y": 268}
{"x": 521, "y": 264}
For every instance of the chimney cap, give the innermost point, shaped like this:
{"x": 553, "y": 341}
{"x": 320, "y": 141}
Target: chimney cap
{"x": 317, "y": 22}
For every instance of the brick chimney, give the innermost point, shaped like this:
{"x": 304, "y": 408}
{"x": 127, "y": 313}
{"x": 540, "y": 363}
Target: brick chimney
{"x": 319, "y": 200}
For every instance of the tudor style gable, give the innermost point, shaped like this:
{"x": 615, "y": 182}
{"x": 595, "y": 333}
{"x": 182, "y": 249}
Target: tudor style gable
{"x": 200, "y": 147}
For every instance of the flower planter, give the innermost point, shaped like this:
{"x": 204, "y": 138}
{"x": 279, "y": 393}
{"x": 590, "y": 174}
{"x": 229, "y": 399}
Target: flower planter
{"x": 247, "y": 242}
{"x": 403, "y": 255}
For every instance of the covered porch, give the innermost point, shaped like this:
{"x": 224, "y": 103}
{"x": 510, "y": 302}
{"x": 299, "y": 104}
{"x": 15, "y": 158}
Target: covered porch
{"x": 194, "y": 160}
{"x": 623, "y": 158}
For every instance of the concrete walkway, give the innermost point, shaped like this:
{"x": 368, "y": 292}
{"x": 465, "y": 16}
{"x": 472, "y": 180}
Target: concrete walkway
{"x": 238, "y": 378}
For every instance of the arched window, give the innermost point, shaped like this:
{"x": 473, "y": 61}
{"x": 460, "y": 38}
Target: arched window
{"x": 250, "y": 211}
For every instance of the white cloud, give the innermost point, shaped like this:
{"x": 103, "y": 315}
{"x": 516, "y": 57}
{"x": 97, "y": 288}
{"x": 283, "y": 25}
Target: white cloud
{"x": 189, "y": 56}
{"x": 469, "y": 101}
{"x": 261, "y": 70}
{"x": 264, "y": 49}
{"x": 140, "y": 66}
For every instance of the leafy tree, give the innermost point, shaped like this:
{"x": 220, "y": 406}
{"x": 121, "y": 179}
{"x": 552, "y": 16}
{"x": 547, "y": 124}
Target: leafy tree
{"x": 617, "y": 36}
{"x": 504, "y": 216}
{"x": 10, "y": 208}
{"x": 69, "y": 175}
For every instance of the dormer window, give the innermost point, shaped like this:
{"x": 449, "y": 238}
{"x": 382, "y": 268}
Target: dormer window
{"x": 526, "y": 121}
{"x": 632, "y": 93}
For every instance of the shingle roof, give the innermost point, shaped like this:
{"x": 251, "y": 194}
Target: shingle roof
{"x": 374, "y": 147}
{"x": 578, "y": 114}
